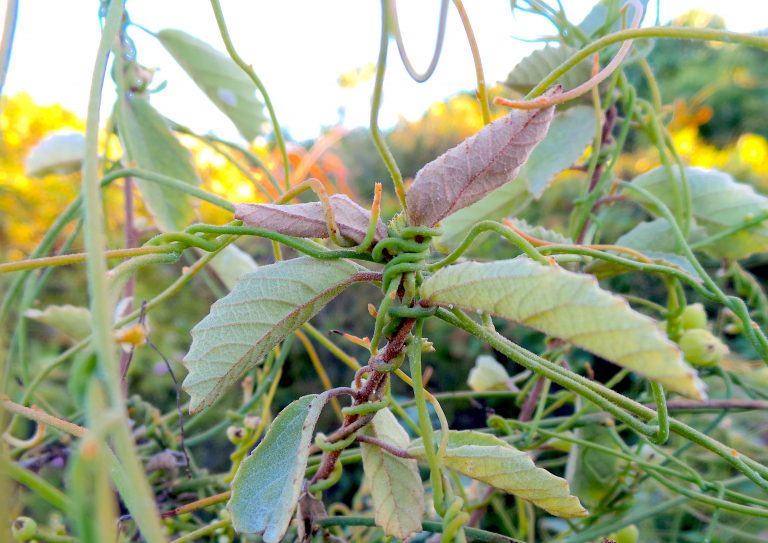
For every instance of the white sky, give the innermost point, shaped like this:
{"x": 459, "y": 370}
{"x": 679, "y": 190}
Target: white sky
{"x": 298, "y": 48}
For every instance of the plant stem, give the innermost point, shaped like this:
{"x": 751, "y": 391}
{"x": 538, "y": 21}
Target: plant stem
{"x": 248, "y": 69}
{"x": 378, "y": 139}
{"x": 428, "y": 526}
{"x": 76, "y": 258}
{"x": 9, "y": 29}
{"x": 482, "y": 91}
{"x": 139, "y": 500}
{"x": 34, "y": 482}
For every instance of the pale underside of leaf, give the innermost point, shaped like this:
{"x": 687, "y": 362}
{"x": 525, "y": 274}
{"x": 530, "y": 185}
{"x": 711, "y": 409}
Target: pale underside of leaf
{"x": 569, "y": 135}
{"x": 308, "y": 220}
{"x": 489, "y": 459}
{"x": 718, "y": 203}
{"x": 477, "y": 166}
{"x": 396, "y": 488}
{"x": 149, "y": 144}
{"x": 72, "y": 321}
{"x": 59, "y": 153}
{"x": 262, "y": 309}
{"x": 538, "y": 65}
{"x": 223, "y": 81}
{"x": 268, "y": 483}
{"x": 569, "y": 306}
{"x": 509, "y": 199}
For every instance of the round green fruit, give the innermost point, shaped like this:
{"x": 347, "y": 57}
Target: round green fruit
{"x": 694, "y": 317}
{"x": 628, "y": 534}
{"x": 24, "y": 529}
{"x": 702, "y": 348}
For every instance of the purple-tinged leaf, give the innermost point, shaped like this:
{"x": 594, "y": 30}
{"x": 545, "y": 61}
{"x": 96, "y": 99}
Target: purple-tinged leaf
{"x": 477, "y": 166}
{"x": 308, "y": 220}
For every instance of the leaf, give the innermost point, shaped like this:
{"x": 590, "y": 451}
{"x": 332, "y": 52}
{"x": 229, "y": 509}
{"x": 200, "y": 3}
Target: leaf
{"x": 718, "y": 203}
{"x": 70, "y": 320}
{"x": 217, "y": 75}
{"x": 308, "y": 220}
{"x": 263, "y": 308}
{"x": 569, "y": 306}
{"x": 396, "y": 487}
{"x": 231, "y": 264}
{"x": 569, "y": 135}
{"x": 149, "y": 144}
{"x": 538, "y": 65}
{"x": 477, "y": 166}
{"x": 268, "y": 483}
{"x": 489, "y": 459}
{"x": 605, "y": 17}
{"x": 508, "y": 200}
{"x": 655, "y": 240}
{"x": 60, "y": 153}
{"x": 539, "y": 232}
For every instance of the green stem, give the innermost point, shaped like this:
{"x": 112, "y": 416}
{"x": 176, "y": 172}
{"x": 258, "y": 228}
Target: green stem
{"x": 209, "y": 529}
{"x": 9, "y": 29}
{"x": 425, "y": 424}
{"x": 482, "y": 91}
{"x": 140, "y": 500}
{"x": 622, "y": 408}
{"x": 378, "y": 139}
{"x": 428, "y": 526}
{"x": 35, "y": 483}
{"x": 248, "y": 69}
{"x": 489, "y": 226}
{"x": 646, "y": 33}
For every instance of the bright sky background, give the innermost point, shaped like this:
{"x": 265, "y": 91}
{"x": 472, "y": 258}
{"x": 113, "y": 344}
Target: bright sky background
{"x": 298, "y": 48}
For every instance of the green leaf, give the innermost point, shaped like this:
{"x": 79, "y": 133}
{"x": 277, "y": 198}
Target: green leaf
{"x": 70, "y": 320}
{"x": 268, "y": 483}
{"x": 231, "y": 264}
{"x": 536, "y": 66}
{"x": 718, "y": 203}
{"x": 569, "y": 135}
{"x": 569, "y": 306}
{"x": 263, "y": 308}
{"x": 148, "y": 142}
{"x": 605, "y": 17}
{"x": 395, "y": 484}
{"x": 489, "y": 459}
{"x": 60, "y": 153}
{"x": 656, "y": 240}
{"x": 539, "y": 232}
{"x": 217, "y": 75}
{"x": 508, "y": 200}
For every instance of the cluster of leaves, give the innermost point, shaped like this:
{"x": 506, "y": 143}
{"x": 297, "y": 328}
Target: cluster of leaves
{"x": 582, "y": 457}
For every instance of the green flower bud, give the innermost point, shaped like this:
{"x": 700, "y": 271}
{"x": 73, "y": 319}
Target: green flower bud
{"x": 487, "y": 374}
{"x": 235, "y": 434}
{"x": 702, "y": 348}
{"x": 24, "y": 529}
{"x": 628, "y": 534}
{"x": 694, "y": 317}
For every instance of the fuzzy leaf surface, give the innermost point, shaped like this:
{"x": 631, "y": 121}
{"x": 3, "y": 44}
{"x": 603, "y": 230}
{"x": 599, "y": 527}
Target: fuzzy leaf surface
{"x": 267, "y": 486}
{"x": 569, "y": 306}
{"x": 217, "y": 75}
{"x": 718, "y": 204}
{"x": 396, "y": 487}
{"x": 263, "y": 308}
{"x": 538, "y": 65}
{"x": 478, "y": 165}
{"x": 508, "y": 200}
{"x": 569, "y": 135}
{"x": 60, "y": 153}
{"x": 488, "y": 459}
{"x": 148, "y": 142}
{"x": 72, "y": 321}
{"x": 308, "y": 220}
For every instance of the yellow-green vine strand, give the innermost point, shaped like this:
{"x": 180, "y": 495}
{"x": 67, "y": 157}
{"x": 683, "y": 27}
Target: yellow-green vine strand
{"x": 378, "y": 138}
{"x": 249, "y": 71}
